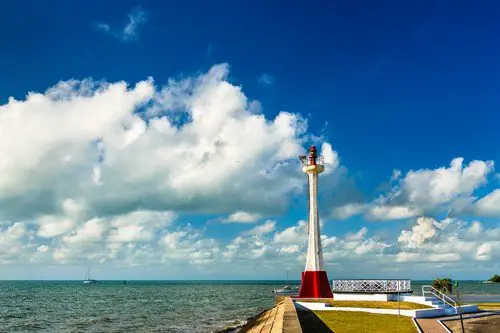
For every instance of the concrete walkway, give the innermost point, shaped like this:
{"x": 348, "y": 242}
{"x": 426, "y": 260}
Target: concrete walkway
{"x": 270, "y": 321}
{"x": 282, "y": 318}
{"x": 432, "y": 325}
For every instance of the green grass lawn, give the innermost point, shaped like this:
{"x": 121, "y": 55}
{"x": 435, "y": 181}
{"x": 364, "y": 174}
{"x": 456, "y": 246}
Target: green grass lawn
{"x": 359, "y": 322}
{"x": 372, "y": 304}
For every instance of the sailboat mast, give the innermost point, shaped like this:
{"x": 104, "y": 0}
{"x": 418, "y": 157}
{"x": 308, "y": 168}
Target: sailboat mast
{"x": 88, "y": 277}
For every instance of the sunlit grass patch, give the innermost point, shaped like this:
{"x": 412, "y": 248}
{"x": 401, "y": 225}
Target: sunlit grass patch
{"x": 358, "y": 322}
{"x": 488, "y": 306}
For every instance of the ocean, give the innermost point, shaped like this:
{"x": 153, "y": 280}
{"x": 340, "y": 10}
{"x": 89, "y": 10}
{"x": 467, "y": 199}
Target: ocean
{"x": 151, "y": 306}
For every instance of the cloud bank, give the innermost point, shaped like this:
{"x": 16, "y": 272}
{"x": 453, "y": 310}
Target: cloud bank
{"x": 102, "y": 172}
{"x": 98, "y": 171}
{"x": 427, "y": 192}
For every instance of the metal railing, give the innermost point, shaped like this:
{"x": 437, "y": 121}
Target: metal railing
{"x": 320, "y": 160}
{"x": 371, "y": 286}
{"x": 430, "y": 290}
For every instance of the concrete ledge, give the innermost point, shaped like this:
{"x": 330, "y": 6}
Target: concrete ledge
{"x": 282, "y": 318}
{"x": 420, "y": 313}
{"x": 384, "y": 297}
{"x": 324, "y": 307}
{"x": 291, "y": 323}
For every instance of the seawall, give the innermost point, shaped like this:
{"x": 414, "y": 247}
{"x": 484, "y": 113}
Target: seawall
{"x": 282, "y": 318}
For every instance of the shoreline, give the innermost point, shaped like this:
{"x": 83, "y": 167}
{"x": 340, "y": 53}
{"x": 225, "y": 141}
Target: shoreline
{"x": 282, "y": 316}
{"x": 251, "y": 320}
{"x": 236, "y": 328}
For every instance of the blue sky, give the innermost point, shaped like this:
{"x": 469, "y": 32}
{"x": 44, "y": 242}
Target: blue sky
{"x": 389, "y": 85}
{"x": 357, "y": 66}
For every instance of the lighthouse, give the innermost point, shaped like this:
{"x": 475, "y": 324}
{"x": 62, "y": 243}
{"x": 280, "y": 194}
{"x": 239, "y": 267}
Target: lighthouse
{"x": 314, "y": 279}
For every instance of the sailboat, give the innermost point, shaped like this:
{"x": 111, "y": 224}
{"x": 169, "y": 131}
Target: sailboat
{"x": 88, "y": 277}
{"x": 286, "y": 289}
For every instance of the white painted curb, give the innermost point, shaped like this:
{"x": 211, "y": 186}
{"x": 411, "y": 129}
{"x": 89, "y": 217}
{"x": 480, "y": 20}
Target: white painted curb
{"x": 444, "y": 326}
{"x": 416, "y": 325}
{"x": 323, "y": 307}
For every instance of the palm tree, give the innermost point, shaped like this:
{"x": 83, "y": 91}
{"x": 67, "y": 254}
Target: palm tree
{"x": 443, "y": 285}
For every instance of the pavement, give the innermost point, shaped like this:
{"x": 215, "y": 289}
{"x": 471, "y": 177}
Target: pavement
{"x": 281, "y": 318}
{"x": 432, "y": 325}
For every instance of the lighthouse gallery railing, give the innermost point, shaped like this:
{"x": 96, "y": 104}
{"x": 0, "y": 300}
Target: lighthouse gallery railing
{"x": 320, "y": 160}
{"x": 371, "y": 286}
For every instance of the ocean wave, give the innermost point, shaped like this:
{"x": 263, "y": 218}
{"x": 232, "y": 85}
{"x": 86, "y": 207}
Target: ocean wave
{"x": 100, "y": 320}
{"x": 233, "y": 327}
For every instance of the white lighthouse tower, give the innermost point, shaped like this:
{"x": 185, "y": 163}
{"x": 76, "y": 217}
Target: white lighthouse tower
{"x": 314, "y": 279}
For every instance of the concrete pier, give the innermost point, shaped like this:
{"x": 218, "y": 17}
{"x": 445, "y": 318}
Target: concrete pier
{"x": 282, "y": 318}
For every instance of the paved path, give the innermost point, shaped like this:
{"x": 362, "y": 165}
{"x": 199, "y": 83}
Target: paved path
{"x": 270, "y": 321}
{"x": 431, "y": 325}
{"x": 279, "y": 319}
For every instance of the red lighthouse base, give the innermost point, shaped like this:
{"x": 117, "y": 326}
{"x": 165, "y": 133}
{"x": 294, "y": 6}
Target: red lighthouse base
{"x": 315, "y": 285}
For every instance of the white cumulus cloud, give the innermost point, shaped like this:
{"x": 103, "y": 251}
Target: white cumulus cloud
{"x": 489, "y": 205}
{"x": 242, "y": 217}
{"x": 428, "y": 191}
{"x": 222, "y": 157}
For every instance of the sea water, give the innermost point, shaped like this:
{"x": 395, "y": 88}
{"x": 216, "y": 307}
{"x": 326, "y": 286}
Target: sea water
{"x": 149, "y": 306}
